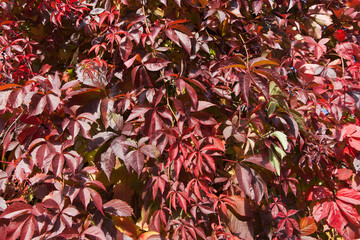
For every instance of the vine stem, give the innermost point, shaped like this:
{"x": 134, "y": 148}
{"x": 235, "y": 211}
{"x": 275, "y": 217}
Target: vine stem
{"x": 162, "y": 74}
{"x": 246, "y": 50}
{"x": 146, "y": 24}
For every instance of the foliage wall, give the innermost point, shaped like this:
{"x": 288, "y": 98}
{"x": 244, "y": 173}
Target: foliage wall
{"x": 179, "y": 119}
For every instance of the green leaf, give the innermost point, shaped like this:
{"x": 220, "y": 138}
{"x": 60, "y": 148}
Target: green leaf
{"x": 275, "y": 90}
{"x": 281, "y": 153}
{"x": 282, "y": 138}
{"x": 274, "y": 161}
{"x": 299, "y": 120}
{"x": 271, "y": 108}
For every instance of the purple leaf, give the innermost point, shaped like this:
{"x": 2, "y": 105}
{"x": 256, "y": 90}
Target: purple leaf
{"x": 135, "y": 160}
{"x": 170, "y": 33}
{"x": 150, "y": 150}
{"x": 137, "y": 112}
{"x": 125, "y": 48}
{"x": 250, "y": 182}
{"x": 107, "y": 162}
{"x": 193, "y": 96}
{"x": 185, "y": 41}
{"x": 119, "y": 147}
{"x": 95, "y": 196}
{"x": 261, "y": 161}
{"x": 245, "y": 86}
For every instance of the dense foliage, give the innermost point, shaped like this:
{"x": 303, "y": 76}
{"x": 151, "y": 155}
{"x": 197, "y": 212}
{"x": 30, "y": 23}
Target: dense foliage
{"x": 179, "y": 119}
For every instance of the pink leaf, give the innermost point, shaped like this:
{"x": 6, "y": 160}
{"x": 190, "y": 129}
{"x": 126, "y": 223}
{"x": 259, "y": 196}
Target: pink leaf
{"x": 257, "y": 6}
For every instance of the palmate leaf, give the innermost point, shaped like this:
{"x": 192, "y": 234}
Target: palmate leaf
{"x": 338, "y": 213}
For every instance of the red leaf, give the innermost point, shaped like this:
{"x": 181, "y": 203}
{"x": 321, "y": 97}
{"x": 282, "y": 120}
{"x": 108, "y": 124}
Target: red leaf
{"x": 348, "y": 211}
{"x": 118, "y": 207}
{"x": 39, "y": 108}
{"x": 250, "y": 182}
{"x": 318, "y": 192}
{"x": 16, "y": 209}
{"x": 192, "y": 93}
{"x": 130, "y": 61}
{"x": 137, "y": 112}
{"x": 84, "y": 196}
{"x": 155, "y": 64}
{"x": 242, "y": 206}
{"x": 321, "y": 210}
{"x": 8, "y": 86}
{"x": 349, "y": 195}
{"x": 344, "y": 173}
{"x": 245, "y": 83}
{"x": 170, "y": 33}
{"x": 95, "y": 232}
{"x": 96, "y": 183}
{"x": 340, "y": 35}
{"x": 29, "y": 228}
{"x": 58, "y": 163}
{"x": 125, "y": 48}
{"x": 242, "y": 229}
{"x": 150, "y": 150}
{"x": 335, "y": 218}
{"x": 71, "y": 211}
{"x": 178, "y": 21}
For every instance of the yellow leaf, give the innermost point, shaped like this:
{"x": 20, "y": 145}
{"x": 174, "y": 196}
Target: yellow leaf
{"x": 126, "y": 225}
{"x": 147, "y": 235}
